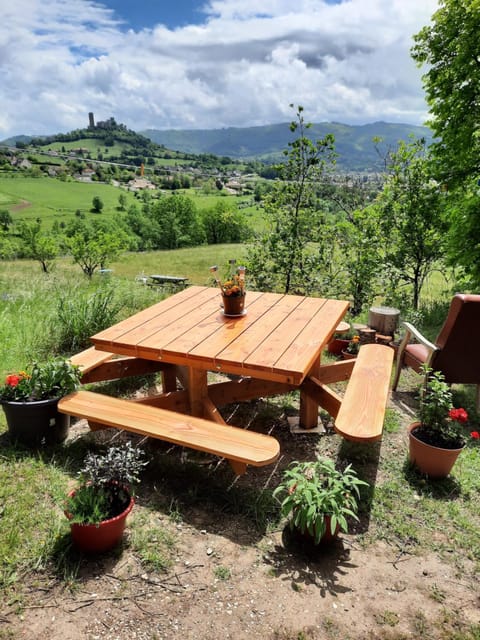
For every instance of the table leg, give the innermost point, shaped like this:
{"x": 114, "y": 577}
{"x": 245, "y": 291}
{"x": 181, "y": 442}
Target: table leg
{"x": 308, "y": 406}
{"x": 197, "y": 388}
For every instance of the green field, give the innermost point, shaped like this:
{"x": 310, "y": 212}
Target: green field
{"x": 52, "y": 199}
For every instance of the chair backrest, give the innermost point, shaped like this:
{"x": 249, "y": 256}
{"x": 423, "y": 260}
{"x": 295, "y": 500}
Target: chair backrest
{"x": 458, "y": 357}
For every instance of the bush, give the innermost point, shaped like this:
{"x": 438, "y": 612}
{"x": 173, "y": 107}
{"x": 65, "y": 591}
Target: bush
{"x": 81, "y": 316}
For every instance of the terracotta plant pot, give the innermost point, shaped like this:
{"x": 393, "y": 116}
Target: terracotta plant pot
{"x": 98, "y": 538}
{"x": 327, "y": 537}
{"x": 233, "y": 305}
{"x": 436, "y": 462}
{"x": 348, "y": 356}
{"x": 35, "y": 423}
{"x": 337, "y": 345}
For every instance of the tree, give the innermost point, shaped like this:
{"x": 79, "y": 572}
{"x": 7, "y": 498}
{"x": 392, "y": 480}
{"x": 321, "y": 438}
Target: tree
{"x": 5, "y": 219}
{"x": 39, "y": 246}
{"x": 450, "y": 50}
{"x": 93, "y": 246}
{"x": 285, "y": 257}
{"x": 359, "y": 239}
{"x": 97, "y": 204}
{"x": 411, "y": 205}
{"x": 122, "y": 201}
{"x": 463, "y": 245}
{"x": 178, "y": 219}
{"x": 224, "y": 223}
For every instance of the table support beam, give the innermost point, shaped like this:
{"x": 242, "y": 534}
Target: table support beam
{"x": 323, "y": 395}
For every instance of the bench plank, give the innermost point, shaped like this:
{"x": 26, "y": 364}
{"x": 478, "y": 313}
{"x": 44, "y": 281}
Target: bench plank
{"x": 99, "y": 366}
{"x": 90, "y": 359}
{"x": 234, "y": 444}
{"x": 362, "y": 411}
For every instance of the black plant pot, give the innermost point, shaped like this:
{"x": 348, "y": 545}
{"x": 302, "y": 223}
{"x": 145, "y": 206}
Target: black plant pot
{"x": 35, "y": 423}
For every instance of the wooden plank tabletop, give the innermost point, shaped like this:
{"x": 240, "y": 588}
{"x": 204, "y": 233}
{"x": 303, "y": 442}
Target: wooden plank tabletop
{"x": 279, "y": 337}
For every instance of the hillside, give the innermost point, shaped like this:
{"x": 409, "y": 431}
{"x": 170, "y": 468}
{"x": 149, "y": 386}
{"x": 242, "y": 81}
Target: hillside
{"x": 353, "y": 143}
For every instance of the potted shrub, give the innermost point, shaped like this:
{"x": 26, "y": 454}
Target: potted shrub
{"x": 319, "y": 498}
{"x": 30, "y": 398}
{"x": 232, "y": 290}
{"x": 437, "y": 438}
{"x": 352, "y": 349}
{"x": 99, "y": 506}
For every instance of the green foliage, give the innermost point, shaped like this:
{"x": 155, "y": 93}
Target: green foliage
{"x": 411, "y": 206}
{"x": 177, "y": 217}
{"x": 283, "y": 257}
{"x": 80, "y": 315}
{"x": 93, "y": 246}
{"x": 5, "y": 219}
{"x": 105, "y": 484}
{"x": 359, "y": 239}
{"x": 463, "y": 240}
{"x": 43, "y": 380}
{"x": 224, "y": 223}
{"x": 448, "y": 47}
{"x": 97, "y": 204}
{"x": 313, "y": 490}
{"x": 38, "y": 245}
{"x": 435, "y": 412}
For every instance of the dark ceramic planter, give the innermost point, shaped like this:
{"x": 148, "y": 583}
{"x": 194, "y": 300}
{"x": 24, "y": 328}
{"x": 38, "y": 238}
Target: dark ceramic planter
{"x": 233, "y": 305}
{"x": 36, "y": 423}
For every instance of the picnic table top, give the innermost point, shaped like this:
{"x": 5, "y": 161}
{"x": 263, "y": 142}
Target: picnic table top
{"x": 279, "y": 338}
{"x": 168, "y": 278}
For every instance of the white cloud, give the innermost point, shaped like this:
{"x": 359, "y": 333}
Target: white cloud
{"x": 348, "y": 62}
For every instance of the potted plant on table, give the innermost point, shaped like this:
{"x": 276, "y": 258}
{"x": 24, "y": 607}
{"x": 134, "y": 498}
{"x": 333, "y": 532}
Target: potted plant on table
{"x": 232, "y": 290}
{"x": 99, "y": 506}
{"x": 319, "y": 498}
{"x": 30, "y": 398}
{"x": 437, "y": 438}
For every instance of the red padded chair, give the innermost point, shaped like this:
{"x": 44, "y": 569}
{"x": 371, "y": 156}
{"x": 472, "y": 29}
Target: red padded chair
{"x": 456, "y": 351}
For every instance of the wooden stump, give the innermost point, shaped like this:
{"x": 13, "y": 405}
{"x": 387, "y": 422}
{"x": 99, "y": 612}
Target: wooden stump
{"x": 384, "y": 319}
{"x": 367, "y": 335}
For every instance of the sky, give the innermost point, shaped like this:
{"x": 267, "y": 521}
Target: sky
{"x": 207, "y": 64}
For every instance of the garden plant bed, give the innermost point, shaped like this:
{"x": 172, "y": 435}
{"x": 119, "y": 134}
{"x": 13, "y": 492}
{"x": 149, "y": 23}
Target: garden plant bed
{"x": 203, "y": 556}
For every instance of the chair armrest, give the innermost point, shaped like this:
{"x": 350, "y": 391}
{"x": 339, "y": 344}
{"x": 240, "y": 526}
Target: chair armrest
{"x": 412, "y": 331}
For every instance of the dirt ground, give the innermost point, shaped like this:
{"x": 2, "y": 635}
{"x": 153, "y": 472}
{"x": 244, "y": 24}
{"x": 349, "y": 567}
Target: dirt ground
{"x": 230, "y": 580}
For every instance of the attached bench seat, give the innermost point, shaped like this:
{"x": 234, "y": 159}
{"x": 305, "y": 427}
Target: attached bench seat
{"x": 239, "y": 446}
{"x": 362, "y": 410}
{"x": 98, "y": 366}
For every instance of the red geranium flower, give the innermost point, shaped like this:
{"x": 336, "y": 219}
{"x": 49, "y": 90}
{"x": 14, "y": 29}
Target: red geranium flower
{"x": 475, "y": 435}
{"x": 460, "y": 415}
{"x": 12, "y": 380}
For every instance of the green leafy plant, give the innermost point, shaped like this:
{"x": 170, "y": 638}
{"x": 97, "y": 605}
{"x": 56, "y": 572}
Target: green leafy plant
{"x": 105, "y": 484}
{"x": 313, "y": 490}
{"x": 51, "y": 379}
{"x": 440, "y": 422}
{"x": 354, "y": 345}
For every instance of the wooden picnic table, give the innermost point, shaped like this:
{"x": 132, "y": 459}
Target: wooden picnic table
{"x": 274, "y": 348}
{"x": 160, "y": 280}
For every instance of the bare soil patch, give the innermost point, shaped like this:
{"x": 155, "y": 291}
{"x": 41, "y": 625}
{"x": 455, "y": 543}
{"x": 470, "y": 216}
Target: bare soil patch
{"x": 24, "y": 204}
{"x": 233, "y": 577}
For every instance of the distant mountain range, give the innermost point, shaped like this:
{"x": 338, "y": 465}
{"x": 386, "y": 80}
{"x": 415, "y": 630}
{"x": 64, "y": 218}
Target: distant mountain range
{"x": 354, "y": 144}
